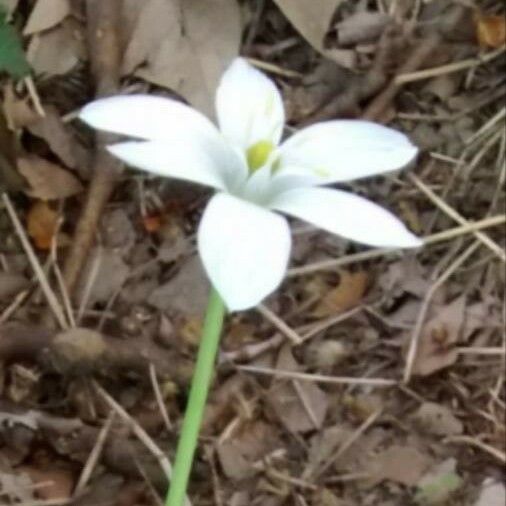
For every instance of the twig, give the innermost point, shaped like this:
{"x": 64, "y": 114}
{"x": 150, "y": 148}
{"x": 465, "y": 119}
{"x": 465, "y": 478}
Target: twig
{"x": 141, "y": 434}
{"x": 104, "y": 49}
{"x": 34, "y": 262}
{"x": 495, "y": 248}
{"x": 159, "y": 397}
{"x": 94, "y": 455}
{"x": 409, "y": 77}
{"x": 319, "y": 378}
{"x": 494, "y": 452}
{"x": 415, "y": 337}
{"x": 445, "y": 235}
{"x": 285, "y": 329}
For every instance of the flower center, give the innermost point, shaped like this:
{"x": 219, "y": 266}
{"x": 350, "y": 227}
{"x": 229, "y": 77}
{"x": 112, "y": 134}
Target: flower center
{"x": 258, "y": 154}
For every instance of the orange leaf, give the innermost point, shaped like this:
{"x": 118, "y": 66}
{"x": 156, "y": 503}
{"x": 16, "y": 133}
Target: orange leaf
{"x": 42, "y": 223}
{"x": 152, "y": 223}
{"x": 491, "y": 31}
{"x": 346, "y": 295}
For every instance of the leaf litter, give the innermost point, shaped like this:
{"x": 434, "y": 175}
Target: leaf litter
{"x": 277, "y": 441}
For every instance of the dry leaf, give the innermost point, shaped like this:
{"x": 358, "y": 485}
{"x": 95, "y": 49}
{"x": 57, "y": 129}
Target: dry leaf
{"x": 437, "y": 420}
{"x": 11, "y": 284}
{"x": 186, "y": 292}
{"x": 184, "y": 45}
{"x": 59, "y": 50}
{"x": 47, "y": 180}
{"x": 53, "y": 483}
{"x": 491, "y": 31}
{"x": 45, "y": 15}
{"x": 18, "y": 111}
{"x": 346, "y": 295}
{"x": 361, "y": 27}
{"x": 438, "y": 484}
{"x": 301, "y": 409}
{"x": 61, "y": 140}
{"x": 401, "y": 464}
{"x": 251, "y": 443}
{"x": 436, "y": 349}
{"x": 311, "y": 19}
{"x": 42, "y": 224}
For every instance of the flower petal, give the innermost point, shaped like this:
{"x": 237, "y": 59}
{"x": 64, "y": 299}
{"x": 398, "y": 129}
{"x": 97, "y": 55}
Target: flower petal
{"x": 147, "y": 117}
{"x": 249, "y": 106}
{"x": 343, "y": 150}
{"x": 244, "y": 248}
{"x": 346, "y": 215}
{"x": 188, "y": 162}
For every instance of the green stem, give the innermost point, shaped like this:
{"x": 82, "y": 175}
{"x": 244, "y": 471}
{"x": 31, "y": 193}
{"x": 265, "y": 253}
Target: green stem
{"x": 201, "y": 382}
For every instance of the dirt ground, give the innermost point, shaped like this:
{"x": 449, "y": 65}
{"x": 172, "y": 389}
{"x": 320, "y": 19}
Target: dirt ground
{"x": 370, "y": 378}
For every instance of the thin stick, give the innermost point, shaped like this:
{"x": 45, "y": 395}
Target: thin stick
{"x": 285, "y": 329}
{"x": 445, "y": 235}
{"x": 35, "y": 264}
{"x": 319, "y": 378}
{"x": 497, "y": 454}
{"x": 94, "y": 455}
{"x": 409, "y": 77}
{"x": 159, "y": 397}
{"x": 495, "y": 248}
{"x": 201, "y": 382}
{"x": 139, "y": 432}
{"x": 415, "y": 337}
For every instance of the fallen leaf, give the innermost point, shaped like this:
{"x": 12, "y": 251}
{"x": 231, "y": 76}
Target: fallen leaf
{"x": 42, "y": 224}
{"x": 491, "y": 30}
{"x": 346, "y": 295}
{"x": 237, "y": 454}
{"x": 311, "y": 19}
{"x": 58, "y": 50}
{"x": 438, "y": 484}
{"x": 362, "y": 27}
{"x": 437, "y": 420}
{"x": 302, "y": 408}
{"x": 46, "y": 14}
{"x": 53, "y": 483}
{"x": 492, "y": 493}
{"x": 400, "y": 464}
{"x": 184, "y": 45}
{"x": 186, "y": 292}
{"x": 436, "y": 349}
{"x": 17, "y": 487}
{"x": 47, "y": 180}
{"x": 111, "y": 274}
{"x": 11, "y": 284}
{"x": 18, "y": 111}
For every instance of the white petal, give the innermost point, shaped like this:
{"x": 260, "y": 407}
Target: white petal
{"x": 190, "y": 162}
{"x": 244, "y": 248}
{"x": 147, "y": 117}
{"x": 347, "y": 215}
{"x": 343, "y": 150}
{"x": 249, "y": 106}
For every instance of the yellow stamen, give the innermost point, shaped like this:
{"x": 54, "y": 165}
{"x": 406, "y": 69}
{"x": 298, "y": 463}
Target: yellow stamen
{"x": 258, "y": 154}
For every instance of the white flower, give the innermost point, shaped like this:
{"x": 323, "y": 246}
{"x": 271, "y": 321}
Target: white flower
{"x": 244, "y": 245}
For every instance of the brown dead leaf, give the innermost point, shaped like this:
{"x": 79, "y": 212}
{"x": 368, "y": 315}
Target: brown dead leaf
{"x": 45, "y": 15}
{"x": 41, "y": 224}
{"x": 54, "y": 483}
{"x": 301, "y": 407}
{"x": 346, "y": 295}
{"x": 491, "y": 30}
{"x": 186, "y": 292}
{"x": 184, "y": 45}
{"x": 362, "y": 27}
{"x": 400, "y": 464}
{"x": 238, "y": 454}
{"x": 61, "y": 140}
{"x": 18, "y": 111}
{"x": 58, "y": 50}
{"x": 437, "y": 420}
{"x": 311, "y": 19}
{"x": 47, "y": 180}
{"x": 436, "y": 349}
